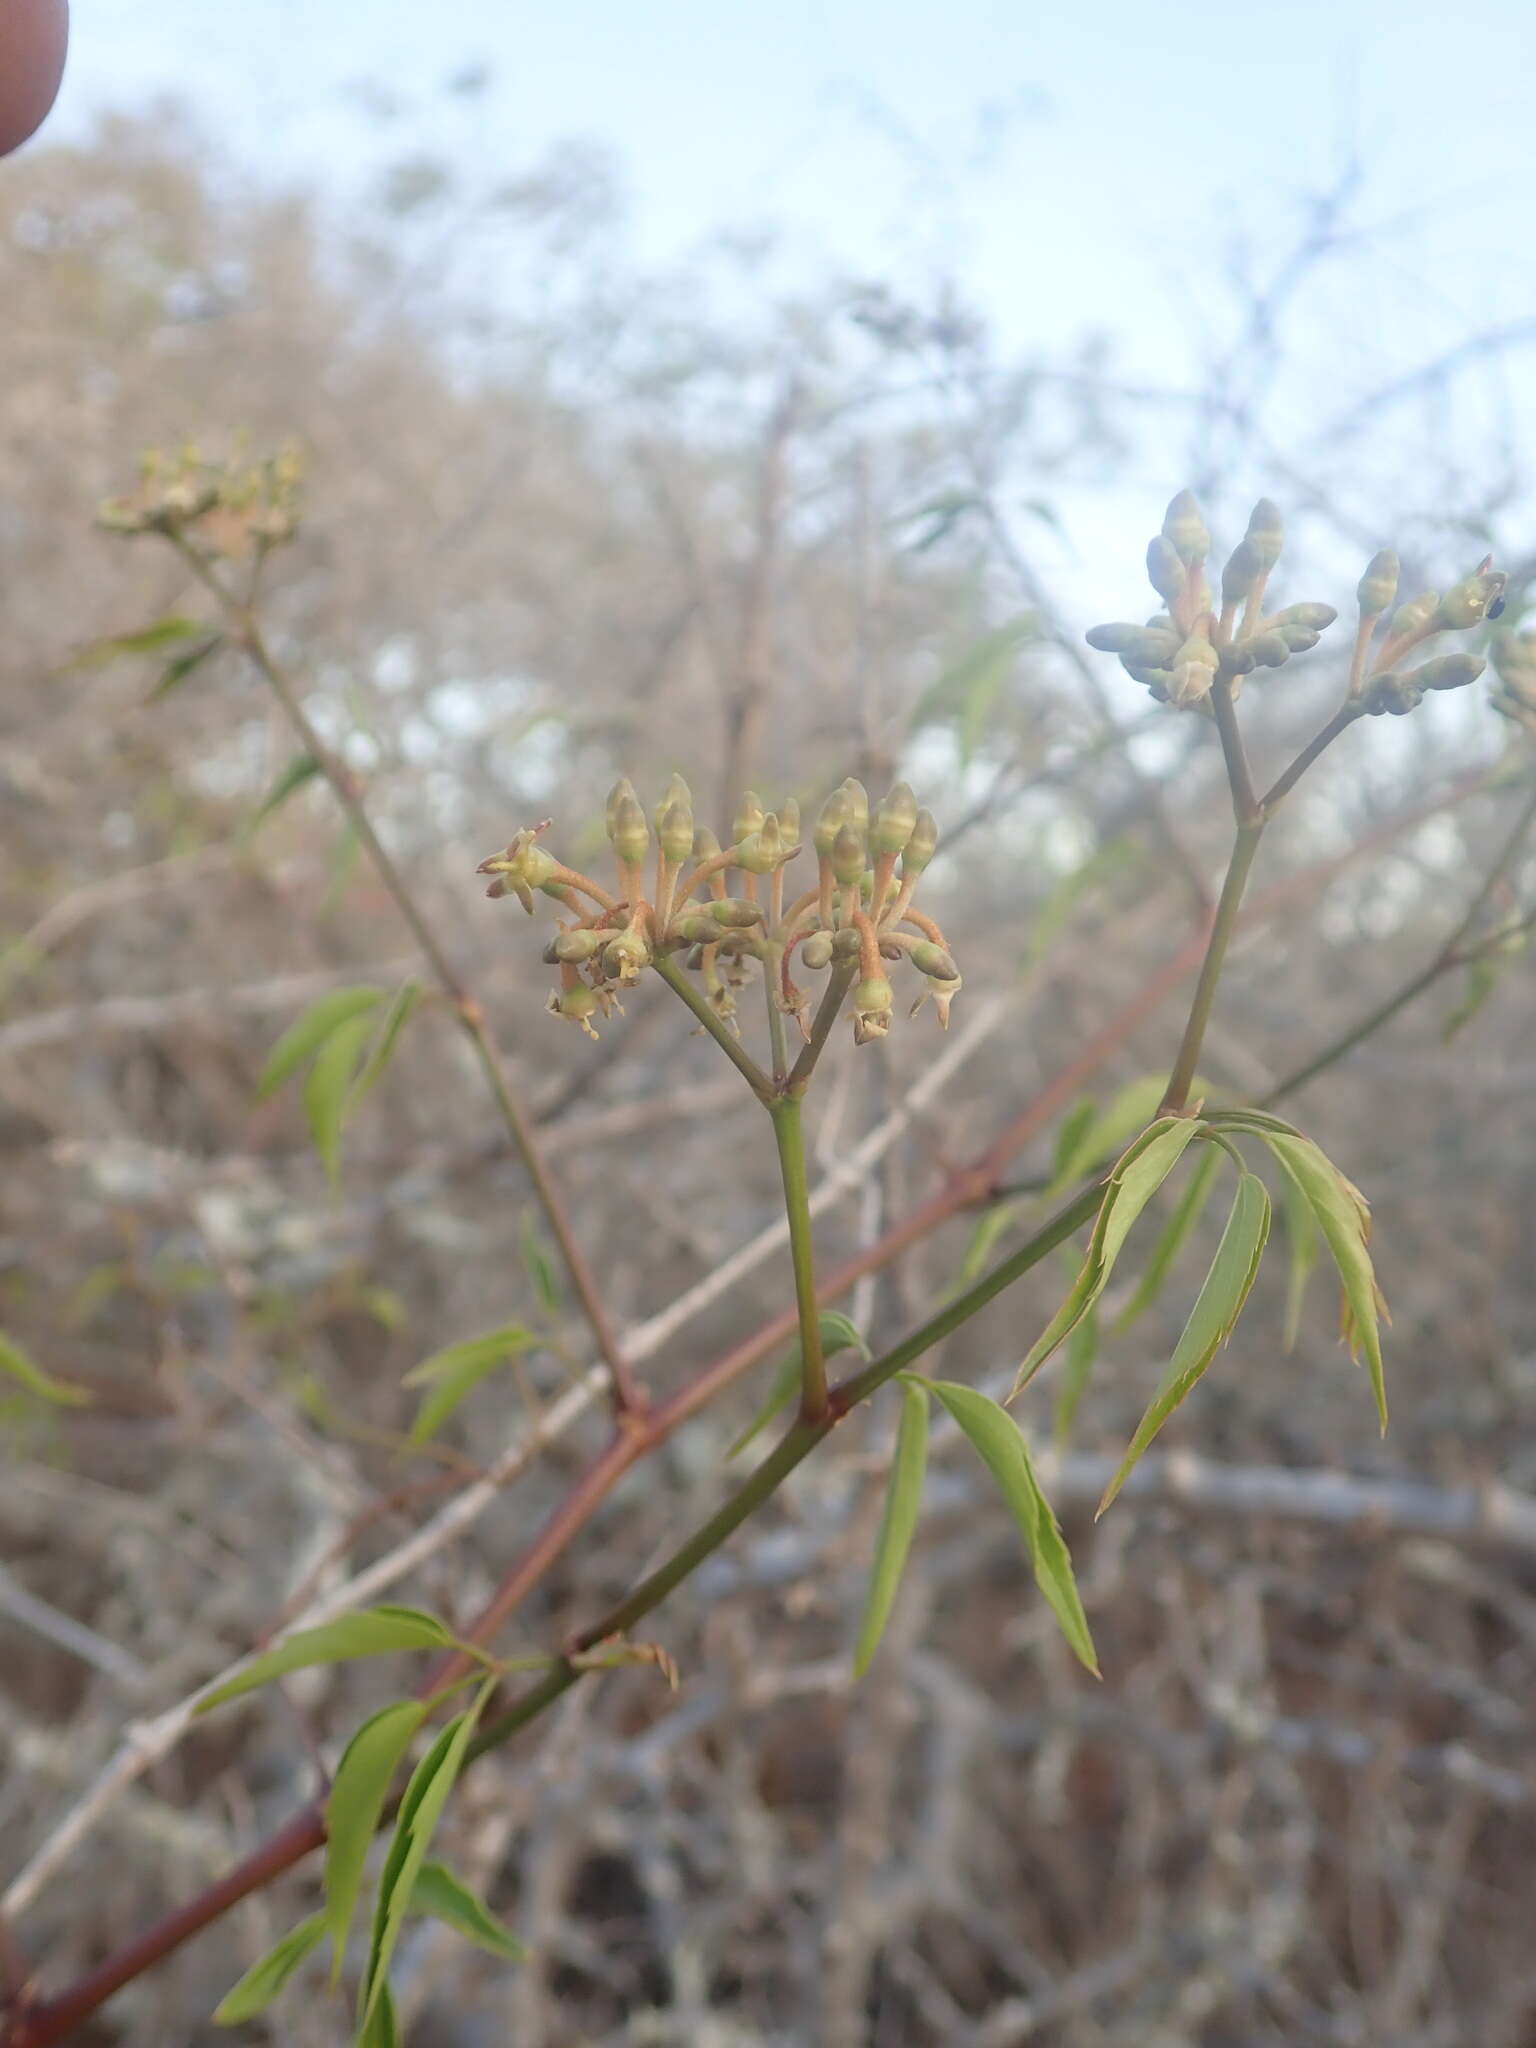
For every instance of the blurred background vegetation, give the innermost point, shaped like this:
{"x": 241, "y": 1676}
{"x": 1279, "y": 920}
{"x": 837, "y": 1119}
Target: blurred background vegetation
{"x": 571, "y": 514}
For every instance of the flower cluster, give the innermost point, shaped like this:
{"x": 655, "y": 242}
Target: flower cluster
{"x": 1183, "y": 650}
{"x": 227, "y": 508}
{"x": 857, "y": 918}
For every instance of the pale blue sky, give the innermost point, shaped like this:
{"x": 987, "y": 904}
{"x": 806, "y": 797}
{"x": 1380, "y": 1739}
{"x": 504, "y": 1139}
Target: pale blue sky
{"x": 1075, "y": 169}
{"x": 1060, "y": 158}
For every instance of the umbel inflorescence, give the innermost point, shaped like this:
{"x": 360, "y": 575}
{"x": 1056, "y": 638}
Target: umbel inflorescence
{"x": 673, "y": 900}
{"x": 1182, "y": 650}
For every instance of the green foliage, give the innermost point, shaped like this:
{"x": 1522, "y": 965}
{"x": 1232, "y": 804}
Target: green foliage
{"x": 165, "y": 633}
{"x": 328, "y": 1087}
{"x": 371, "y": 1632}
{"x": 336, "y": 1036}
{"x": 304, "y": 1038}
{"x": 997, "y": 1439}
{"x": 267, "y": 1976}
{"x": 1139, "y": 1173}
{"x": 903, "y": 1498}
{"x": 19, "y": 1365}
{"x": 301, "y": 769}
{"x": 1482, "y": 979}
{"x": 1078, "y": 1361}
{"x": 451, "y": 1374}
{"x": 1212, "y": 1319}
{"x": 1187, "y": 1213}
{"x": 442, "y": 1896}
{"x": 420, "y": 1811}
{"x": 541, "y": 1269}
{"x": 352, "y": 1812}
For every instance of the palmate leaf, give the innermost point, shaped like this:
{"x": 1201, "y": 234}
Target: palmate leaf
{"x": 997, "y": 1440}
{"x": 1139, "y": 1173}
{"x": 1211, "y": 1320}
{"x": 903, "y": 1498}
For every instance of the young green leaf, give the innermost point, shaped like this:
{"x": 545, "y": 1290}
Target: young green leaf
{"x": 1212, "y": 1319}
{"x": 420, "y": 1810}
{"x": 1482, "y": 979}
{"x": 540, "y": 1268}
{"x": 265, "y": 1978}
{"x": 304, "y": 1038}
{"x": 840, "y": 1333}
{"x": 381, "y": 2029}
{"x": 155, "y": 639}
{"x": 1103, "y": 1133}
{"x": 967, "y": 690}
{"x": 451, "y": 1374}
{"x": 183, "y": 666}
{"x": 1302, "y": 1241}
{"x": 407, "y": 996}
{"x": 903, "y": 1497}
{"x": 1344, "y": 1219}
{"x": 358, "y": 1791}
{"x": 16, "y": 1364}
{"x": 328, "y": 1088}
{"x": 1186, "y": 1215}
{"x": 998, "y": 1441}
{"x": 1139, "y": 1173}
{"x": 994, "y": 1224}
{"x": 301, "y": 769}
{"x": 371, "y": 1632}
{"x": 442, "y": 1896}
{"x": 1080, "y": 1118}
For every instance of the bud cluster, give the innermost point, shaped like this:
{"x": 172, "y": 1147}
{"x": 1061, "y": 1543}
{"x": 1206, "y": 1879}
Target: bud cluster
{"x": 225, "y": 508}
{"x": 673, "y": 898}
{"x": 1197, "y": 639}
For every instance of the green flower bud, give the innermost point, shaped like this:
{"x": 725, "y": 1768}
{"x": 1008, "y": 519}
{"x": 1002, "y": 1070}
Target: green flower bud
{"x": 1147, "y": 645}
{"x": 733, "y": 914}
{"x": 830, "y": 821}
{"x": 1468, "y": 602}
{"x": 1377, "y": 588}
{"x": 575, "y": 947}
{"x": 1185, "y": 530}
{"x": 921, "y": 844}
{"x": 1245, "y": 565}
{"x": 1165, "y": 569}
{"x": 1299, "y": 639}
{"x": 858, "y": 803}
{"x": 849, "y": 855}
{"x": 1269, "y": 650}
{"x": 1393, "y": 693}
{"x": 698, "y": 928}
{"x": 676, "y": 792}
{"x": 705, "y": 844}
{"x": 763, "y": 850}
{"x": 748, "y": 819}
{"x": 630, "y": 833}
{"x": 895, "y": 821}
{"x": 932, "y": 960}
{"x": 1317, "y": 618}
{"x": 817, "y": 950}
{"x": 674, "y": 833}
{"x": 1158, "y": 680}
{"x": 789, "y": 821}
{"x": 1448, "y": 672}
{"x": 621, "y": 789}
{"x": 1414, "y": 616}
{"x": 1265, "y": 535}
{"x": 1239, "y": 660}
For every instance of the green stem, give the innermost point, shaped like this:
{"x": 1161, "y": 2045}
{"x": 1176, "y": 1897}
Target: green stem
{"x": 785, "y": 1111}
{"x": 772, "y": 956}
{"x": 1180, "y": 1081}
{"x": 1344, "y": 717}
{"x": 841, "y": 980}
{"x": 792, "y": 1450}
{"x": 734, "y": 1051}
